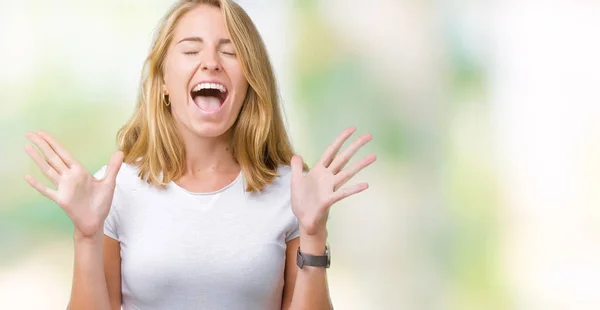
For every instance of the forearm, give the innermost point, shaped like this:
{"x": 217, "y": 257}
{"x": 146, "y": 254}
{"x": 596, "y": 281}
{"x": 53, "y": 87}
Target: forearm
{"x": 311, "y": 290}
{"x": 89, "y": 289}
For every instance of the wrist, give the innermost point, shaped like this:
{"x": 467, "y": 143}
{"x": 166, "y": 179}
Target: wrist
{"x": 313, "y": 244}
{"x": 81, "y": 239}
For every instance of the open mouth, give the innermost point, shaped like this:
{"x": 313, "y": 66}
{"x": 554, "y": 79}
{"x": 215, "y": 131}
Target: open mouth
{"x": 209, "y": 97}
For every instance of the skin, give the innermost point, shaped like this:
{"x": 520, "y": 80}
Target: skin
{"x": 201, "y": 51}
{"x": 209, "y": 167}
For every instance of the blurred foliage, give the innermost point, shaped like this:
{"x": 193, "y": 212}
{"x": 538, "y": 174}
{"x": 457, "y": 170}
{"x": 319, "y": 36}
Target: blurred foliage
{"x": 455, "y": 225}
{"x": 84, "y": 123}
{"x": 336, "y": 90}
{"x": 333, "y": 81}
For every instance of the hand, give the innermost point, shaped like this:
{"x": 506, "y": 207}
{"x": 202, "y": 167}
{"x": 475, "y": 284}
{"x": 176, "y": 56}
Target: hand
{"x": 84, "y": 199}
{"x": 316, "y": 191}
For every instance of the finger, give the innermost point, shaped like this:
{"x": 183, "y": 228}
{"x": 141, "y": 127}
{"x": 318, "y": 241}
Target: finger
{"x": 114, "y": 164}
{"x": 342, "y": 159}
{"x": 58, "y": 148}
{"x": 48, "y": 171}
{"x": 297, "y": 167}
{"x": 350, "y": 172}
{"x": 49, "y": 154}
{"x": 348, "y": 191}
{"x": 44, "y": 190}
{"x": 335, "y": 146}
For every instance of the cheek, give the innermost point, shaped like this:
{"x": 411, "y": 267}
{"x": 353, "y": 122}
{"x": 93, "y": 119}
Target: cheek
{"x": 177, "y": 73}
{"x": 237, "y": 77}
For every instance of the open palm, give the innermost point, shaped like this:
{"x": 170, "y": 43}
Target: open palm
{"x": 85, "y": 199}
{"x": 314, "y": 192}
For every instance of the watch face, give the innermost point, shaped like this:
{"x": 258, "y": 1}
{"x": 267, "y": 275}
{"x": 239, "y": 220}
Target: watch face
{"x": 299, "y": 259}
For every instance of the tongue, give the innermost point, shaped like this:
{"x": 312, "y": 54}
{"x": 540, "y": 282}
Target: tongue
{"x": 208, "y": 103}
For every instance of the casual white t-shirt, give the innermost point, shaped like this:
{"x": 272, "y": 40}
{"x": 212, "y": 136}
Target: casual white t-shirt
{"x": 183, "y": 250}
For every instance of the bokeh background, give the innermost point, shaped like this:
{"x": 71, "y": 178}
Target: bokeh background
{"x": 485, "y": 117}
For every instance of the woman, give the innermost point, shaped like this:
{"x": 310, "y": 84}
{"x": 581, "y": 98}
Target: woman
{"x": 204, "y": 206}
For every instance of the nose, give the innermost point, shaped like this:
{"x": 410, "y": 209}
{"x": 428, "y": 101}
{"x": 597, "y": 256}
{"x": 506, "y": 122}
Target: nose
{"x": 210, "y": 63}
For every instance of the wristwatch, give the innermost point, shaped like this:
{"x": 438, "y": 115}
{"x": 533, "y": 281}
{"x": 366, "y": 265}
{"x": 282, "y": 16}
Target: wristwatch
{"x": 324, "y": 261}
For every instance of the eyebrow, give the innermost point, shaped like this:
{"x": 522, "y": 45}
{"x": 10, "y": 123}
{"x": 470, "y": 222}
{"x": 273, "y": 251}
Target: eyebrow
{"x": 200, "y": 40}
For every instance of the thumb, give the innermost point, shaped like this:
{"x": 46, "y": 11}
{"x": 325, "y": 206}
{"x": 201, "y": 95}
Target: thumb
{"x": 114, "y": 164}
{"x": 297, "y": 167}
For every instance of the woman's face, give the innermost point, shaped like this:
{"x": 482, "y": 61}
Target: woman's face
{"x": 202, "y": 74}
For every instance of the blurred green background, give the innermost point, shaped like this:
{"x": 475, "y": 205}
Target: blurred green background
{"x": 485, "y": 118}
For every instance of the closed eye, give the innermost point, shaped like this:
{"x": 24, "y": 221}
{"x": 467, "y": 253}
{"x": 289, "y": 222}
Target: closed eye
{"x": 190, "y": 53}
{"x": 228, "y": 54}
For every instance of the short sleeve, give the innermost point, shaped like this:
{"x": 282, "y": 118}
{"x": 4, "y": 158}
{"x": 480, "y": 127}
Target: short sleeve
{"x": 293, "y": 228}
{"x": 111, "y": 224}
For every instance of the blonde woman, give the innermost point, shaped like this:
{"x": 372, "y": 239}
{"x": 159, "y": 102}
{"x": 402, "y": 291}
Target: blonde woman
{"x": 205, "y": 205}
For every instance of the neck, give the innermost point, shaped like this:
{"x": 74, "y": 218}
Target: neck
{"x": 208, "y": 155}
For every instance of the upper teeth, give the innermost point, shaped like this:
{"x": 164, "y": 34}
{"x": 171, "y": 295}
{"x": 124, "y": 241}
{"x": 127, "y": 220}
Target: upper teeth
{"x": 201, "y": 86}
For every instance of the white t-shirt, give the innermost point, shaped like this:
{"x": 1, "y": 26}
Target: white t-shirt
{"x": 183, "y": 250}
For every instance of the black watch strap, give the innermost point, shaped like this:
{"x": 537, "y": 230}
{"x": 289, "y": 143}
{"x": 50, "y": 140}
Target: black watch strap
{"x": 303, "y": 259}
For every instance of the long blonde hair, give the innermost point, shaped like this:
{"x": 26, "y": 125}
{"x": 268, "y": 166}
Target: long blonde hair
{"x": 260, "y": 142}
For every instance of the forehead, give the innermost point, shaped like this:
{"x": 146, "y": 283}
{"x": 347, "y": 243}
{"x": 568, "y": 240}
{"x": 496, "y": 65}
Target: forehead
{"x": 204, "y": 21}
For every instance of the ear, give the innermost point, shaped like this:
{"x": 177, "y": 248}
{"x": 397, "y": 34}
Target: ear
{"x": 164, "y": 90}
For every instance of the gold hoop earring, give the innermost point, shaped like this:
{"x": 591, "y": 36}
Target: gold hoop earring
{"x": 165, "y": 99}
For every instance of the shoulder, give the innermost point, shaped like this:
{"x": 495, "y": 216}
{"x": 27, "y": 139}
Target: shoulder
{"x": 281, "y": 183}
{"x": 128, "y": 185}
{"x": 285, "y": 173}
{"x": 279, "y": 187}
{"x": 127, "y": 176}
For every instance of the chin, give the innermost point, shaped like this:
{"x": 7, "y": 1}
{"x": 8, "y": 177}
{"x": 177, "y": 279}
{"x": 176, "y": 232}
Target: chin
{"x": 209, "y": 130}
